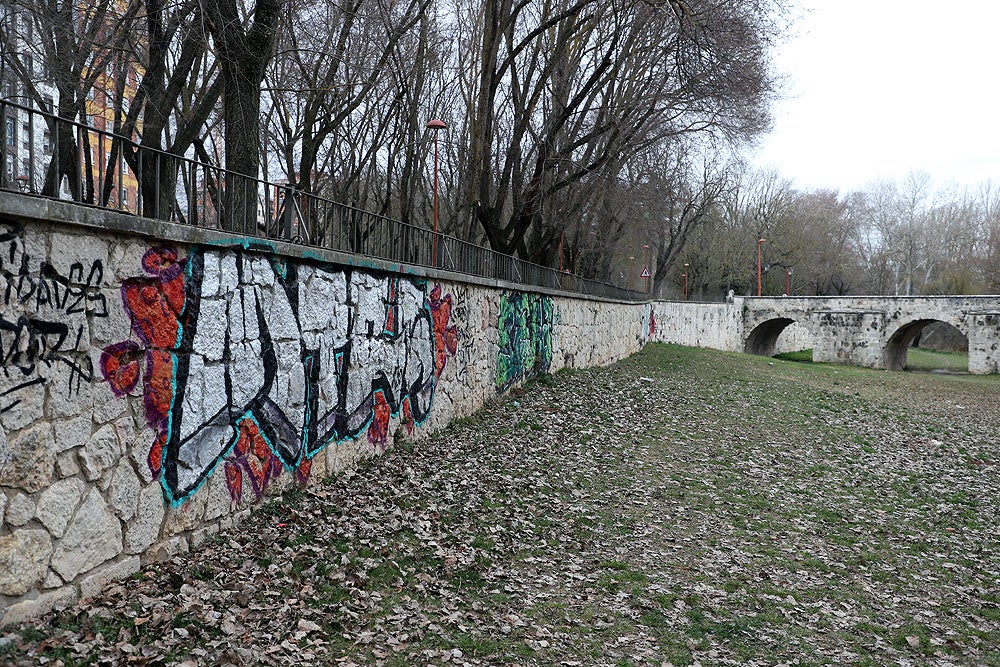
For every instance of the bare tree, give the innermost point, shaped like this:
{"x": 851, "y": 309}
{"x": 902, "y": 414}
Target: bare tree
{"x": 567, "y": 89}
{"x": 244, "y": 44}
{"x": 68, "y": 45}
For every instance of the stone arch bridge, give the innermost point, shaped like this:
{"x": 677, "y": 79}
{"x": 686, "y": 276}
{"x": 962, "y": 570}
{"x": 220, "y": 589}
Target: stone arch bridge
{"x": 873, "y": 331}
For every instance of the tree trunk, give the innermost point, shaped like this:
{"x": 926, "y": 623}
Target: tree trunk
{"x": 243, "y": 56}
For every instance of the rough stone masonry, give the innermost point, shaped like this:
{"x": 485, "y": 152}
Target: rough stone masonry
{"x": 151, "y": 391}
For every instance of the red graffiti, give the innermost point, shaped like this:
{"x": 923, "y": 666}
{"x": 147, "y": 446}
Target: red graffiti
{"x": 154, "y": 304}
{"x": 378, "y": 432}
{"x": 121, "y": 367}
{"x": 234, "y": 481}
{"x": 155, "y": 458}
{"x": 445, "y": 336}
{"x": 252, "y": 454}
{"x": 652, "y": 323}
{"x": 408, "y": 416}
{"x": 303, "y": 471}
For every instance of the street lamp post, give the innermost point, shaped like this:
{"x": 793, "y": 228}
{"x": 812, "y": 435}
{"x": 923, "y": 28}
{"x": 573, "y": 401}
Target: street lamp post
{"x": 788, "y": 281}
{"x": 435, "y": 125}
{"x": 645, "y": 264}
{"x": 631, "y": 258}
{"x": 686, "y": 271}
{"x": 759, "y": 243}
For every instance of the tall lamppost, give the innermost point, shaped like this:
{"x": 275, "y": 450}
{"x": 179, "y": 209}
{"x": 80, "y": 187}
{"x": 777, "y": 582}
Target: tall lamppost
{"x": 645, "y": 264}
{"x": 631, "y": 258}
{"x": 788, "y": 281}
{"x": 435, "y": 125}
{"x": 686, "y": 271}
{"x": 759, "y": 243}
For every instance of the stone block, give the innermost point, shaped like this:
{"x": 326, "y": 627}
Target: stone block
{"x": 210, "y": 276}
{"x": 165, "y": 550}
{"x": 318, "y": 472}
{"x": 67, "y": 464}
{"x": 30, "y": 408}
{"x": 68, "y": 394}
{"x": 100, "y": 453}
{"x": 144, "y": 529}
{"x": 32, "y": 244}
{"x": 187, "y": 516}
{"x": 31, "y": 458}
{"x": 94, "y": 536}
{"x": 26, "y": 610}
{"x": 93, "y": 584}
{"x": 138, "y": 451}
{"x": 70, "y": 433}
{"x": 210, "y": 340}
{"x": 124, "y": 491}
{"x": 52, "y": 580}
{"x": 86, "y": 250}
{"x": 107, "y": 408}
{"x": 57, "y": 504}
{"x": 113, "y": 328}
{"x": 126, "y": 261}
{"x": 202, "y": 535}
{"x": 21, "y": 510}
{"x": 24, "y": 560}
{"x": 219, "y": 501}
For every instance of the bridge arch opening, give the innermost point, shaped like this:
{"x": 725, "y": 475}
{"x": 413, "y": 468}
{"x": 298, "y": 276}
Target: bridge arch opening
{"x": 923, "y": 344}
{"x": 764, "y": 337}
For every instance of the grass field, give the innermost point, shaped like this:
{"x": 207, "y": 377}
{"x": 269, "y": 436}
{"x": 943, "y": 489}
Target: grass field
{"x": 683, "y": 506}
{"x": 917, "y": 359}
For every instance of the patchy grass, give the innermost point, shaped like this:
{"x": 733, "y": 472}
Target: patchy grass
{"x": 924, "y": 359}
{"x": 736, "y": 510}
{"x": 917, "y": 359}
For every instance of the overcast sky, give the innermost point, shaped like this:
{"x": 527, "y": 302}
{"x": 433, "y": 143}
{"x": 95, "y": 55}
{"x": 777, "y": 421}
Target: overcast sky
{"x": 880, "y": 88}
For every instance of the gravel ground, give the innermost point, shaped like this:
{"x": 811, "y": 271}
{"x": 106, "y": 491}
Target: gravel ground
{"x": 680, "y": 507}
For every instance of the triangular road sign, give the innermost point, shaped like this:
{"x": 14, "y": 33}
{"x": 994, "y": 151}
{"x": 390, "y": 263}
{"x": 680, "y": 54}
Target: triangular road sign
{"x": 645, "y": 272}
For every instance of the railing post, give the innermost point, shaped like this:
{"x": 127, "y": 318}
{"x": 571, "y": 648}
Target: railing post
{"x": 31, "y": 148}
{"x": 140, "y": 177}
{"x": 289, "y": 210}
{"x": 156, "y": 187}
{"x": 3, "y": 145}
{"x": 56, "y": 182}
{"x": 193, "y": 194}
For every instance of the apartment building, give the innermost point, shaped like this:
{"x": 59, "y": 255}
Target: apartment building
{"x": 31, "y": 139}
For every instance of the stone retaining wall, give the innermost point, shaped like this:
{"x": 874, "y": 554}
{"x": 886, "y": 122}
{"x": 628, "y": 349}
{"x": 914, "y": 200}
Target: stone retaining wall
{"x": 153, "y": 391}
{"x": 717, "y": 326}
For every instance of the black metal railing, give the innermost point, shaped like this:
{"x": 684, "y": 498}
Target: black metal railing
{"x": 45, "y": 155}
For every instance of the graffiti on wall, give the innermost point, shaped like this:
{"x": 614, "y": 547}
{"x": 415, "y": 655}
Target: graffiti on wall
{"x": 525, "y": 337}
{"x": 260, "y": 364}
{"x": 43, "y": 319}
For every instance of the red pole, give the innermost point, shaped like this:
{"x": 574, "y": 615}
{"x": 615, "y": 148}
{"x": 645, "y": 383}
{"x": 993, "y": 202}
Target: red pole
{"x": 788, "y": 280}
{"x": 759, "y": 241}
{"x": 434, "y": 250}
{"x": 686, "y": 271}
{"x": 645, "y": 253}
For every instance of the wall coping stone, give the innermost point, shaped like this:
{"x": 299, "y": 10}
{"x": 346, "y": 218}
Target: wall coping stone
{"x": 30, "y": 208}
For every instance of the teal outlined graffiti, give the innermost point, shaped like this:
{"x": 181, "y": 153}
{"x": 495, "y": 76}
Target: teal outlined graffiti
{"x": 525, "y": 337}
